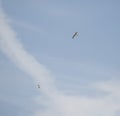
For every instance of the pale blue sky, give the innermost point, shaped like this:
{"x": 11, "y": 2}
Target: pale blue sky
{"x": 45, "y": 29}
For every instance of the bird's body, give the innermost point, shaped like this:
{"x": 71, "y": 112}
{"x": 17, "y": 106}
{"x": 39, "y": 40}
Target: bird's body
{"x": 38, "y": 86}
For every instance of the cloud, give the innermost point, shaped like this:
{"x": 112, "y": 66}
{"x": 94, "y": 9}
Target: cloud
{"x": 66, "y": 105}
{"x": 52, "y": 9}
{"x": 12, "y": 47}
{"x": 27, "y": 26}
{"x": 81, "y": 106}
{"x": 56, "y": 103}
{"x": 111, "y": 87}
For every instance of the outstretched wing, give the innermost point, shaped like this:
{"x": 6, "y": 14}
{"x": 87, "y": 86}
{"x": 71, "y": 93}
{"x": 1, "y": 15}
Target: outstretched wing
{"x": 74, "y": 35}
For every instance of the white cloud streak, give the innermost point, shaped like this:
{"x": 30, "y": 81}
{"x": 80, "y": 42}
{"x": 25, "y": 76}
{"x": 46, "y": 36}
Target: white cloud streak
{"x": 27, "y": 26}
{"x": 58, "y": 104}
{"x": 12, "y": 47}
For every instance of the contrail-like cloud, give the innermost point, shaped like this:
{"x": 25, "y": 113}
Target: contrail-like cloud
{"x": 58, "y": 104}
{"x": 11, "y": 46}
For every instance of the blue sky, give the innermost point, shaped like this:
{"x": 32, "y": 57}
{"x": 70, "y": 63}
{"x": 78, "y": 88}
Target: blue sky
{"x": 77, "y": 77}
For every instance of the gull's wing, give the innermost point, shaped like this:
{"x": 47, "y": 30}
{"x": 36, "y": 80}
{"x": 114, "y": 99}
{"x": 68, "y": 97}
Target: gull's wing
{"x": 74, "y": 35}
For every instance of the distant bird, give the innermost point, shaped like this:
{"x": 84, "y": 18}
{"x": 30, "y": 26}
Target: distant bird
{"x": 75, "y": 34}
{"x": 38, "y": 86}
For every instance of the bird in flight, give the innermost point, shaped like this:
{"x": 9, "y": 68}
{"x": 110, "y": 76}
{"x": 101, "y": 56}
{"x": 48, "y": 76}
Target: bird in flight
{"x": 38, "y": 86}
{"x": 75, "y": 34}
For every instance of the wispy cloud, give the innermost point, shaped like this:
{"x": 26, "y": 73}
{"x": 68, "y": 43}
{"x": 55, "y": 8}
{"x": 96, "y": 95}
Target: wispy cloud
{"x": 57, "y": 104}
{"x": 65, "y": 105}
{"x": 27, "y": 26}
{"x": 12, "y": 47}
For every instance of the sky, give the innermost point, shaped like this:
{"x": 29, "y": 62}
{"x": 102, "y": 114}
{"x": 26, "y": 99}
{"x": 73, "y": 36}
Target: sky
{"x": 77, "y": 77}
